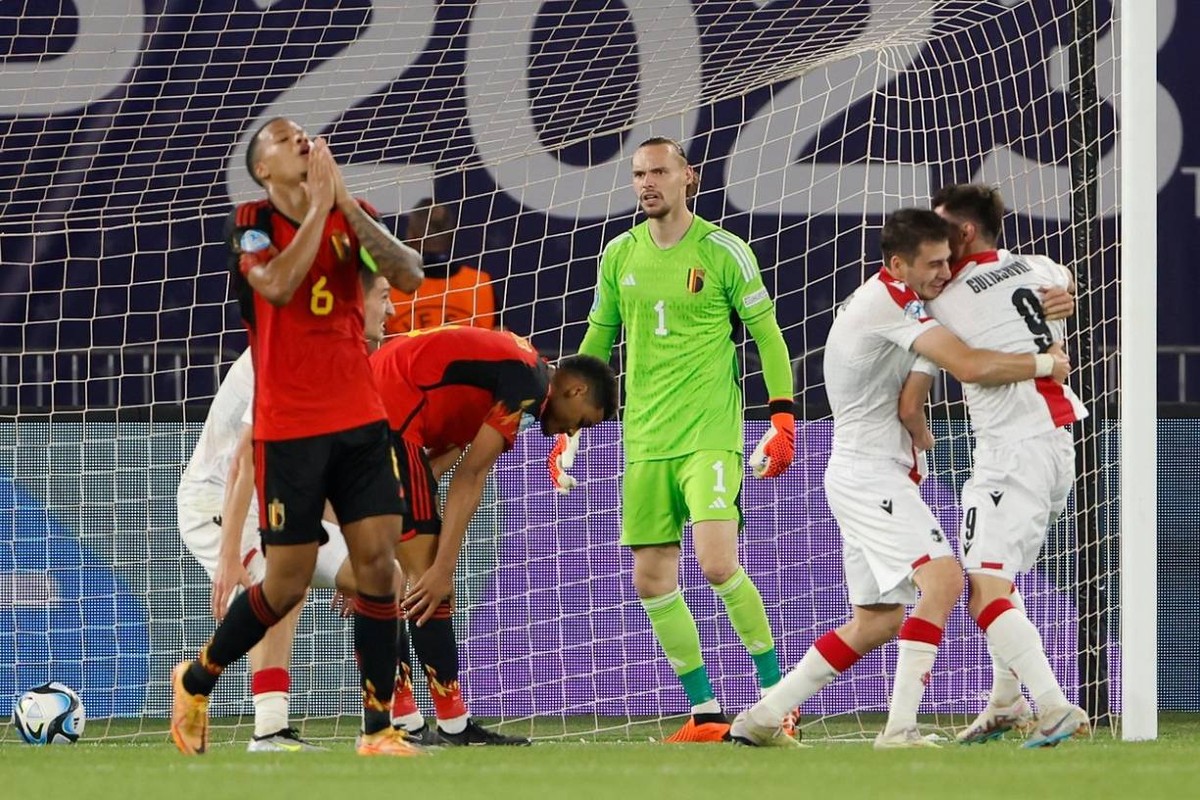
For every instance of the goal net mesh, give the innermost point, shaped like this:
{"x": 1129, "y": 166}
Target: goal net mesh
{"x": 807, "y": 121}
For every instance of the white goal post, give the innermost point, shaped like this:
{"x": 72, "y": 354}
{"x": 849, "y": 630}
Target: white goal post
{"x": 1139, "y": 414}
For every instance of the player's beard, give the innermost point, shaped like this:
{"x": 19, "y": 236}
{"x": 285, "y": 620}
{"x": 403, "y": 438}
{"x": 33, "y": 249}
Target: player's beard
{"x": 658, "y": 213}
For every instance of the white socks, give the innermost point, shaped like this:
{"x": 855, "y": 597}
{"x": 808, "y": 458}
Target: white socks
{"x": 1017, "y": 643}
{"x": 919, "y": 641}
{"x": 828, "y": 657}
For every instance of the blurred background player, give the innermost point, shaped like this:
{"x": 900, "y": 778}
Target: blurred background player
{"x": 892, "y": 544}
{"x": 320, "y": 430}
{"x": 452, "y": 292}
{"x": 218, "y": 520}
{"x": 1023, "y": 466}
{"x": 674, "y": 282}
{"x": 450, "y": 390}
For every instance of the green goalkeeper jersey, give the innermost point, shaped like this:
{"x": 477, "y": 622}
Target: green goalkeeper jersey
{"x": 681, "y": 379}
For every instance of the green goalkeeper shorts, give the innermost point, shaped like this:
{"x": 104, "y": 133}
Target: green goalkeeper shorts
{"x": 658, "y": 497}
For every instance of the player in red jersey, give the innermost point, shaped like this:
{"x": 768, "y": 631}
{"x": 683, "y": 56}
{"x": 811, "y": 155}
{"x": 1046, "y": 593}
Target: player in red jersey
{"x": 319, "y": 425}
{"x": 449, "y": 390}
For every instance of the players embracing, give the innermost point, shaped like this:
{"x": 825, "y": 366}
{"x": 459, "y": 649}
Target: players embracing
{"x": 879, "y": 358}
{"x": 1023, "y": 466}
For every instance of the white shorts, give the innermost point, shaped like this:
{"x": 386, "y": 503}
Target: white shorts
{"x": 887, "y": 530}
{"x": 199, "y": 512}
{"x": 1016, "y": 492}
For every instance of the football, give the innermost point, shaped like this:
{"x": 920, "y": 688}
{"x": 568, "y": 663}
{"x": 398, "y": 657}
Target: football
{"x": 49, "y": 714}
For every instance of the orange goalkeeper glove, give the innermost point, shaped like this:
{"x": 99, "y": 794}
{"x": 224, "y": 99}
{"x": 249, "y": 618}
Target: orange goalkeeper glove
{"x": 562, "y": 458}
{"x": 777, "y": 447}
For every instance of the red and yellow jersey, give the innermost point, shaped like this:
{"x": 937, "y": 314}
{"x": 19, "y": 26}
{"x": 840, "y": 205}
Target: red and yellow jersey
{"x": 441, "y": 385}
{"x": 463, "y": 297}
{"x": 311, "y": 375}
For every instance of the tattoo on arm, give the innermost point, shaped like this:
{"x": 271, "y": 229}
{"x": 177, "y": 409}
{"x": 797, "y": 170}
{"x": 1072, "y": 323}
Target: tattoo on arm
{"x": 396, "y": 261}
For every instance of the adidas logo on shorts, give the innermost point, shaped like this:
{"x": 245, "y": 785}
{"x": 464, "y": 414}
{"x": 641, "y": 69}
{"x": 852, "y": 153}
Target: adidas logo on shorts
{"x": 718, "y": 503}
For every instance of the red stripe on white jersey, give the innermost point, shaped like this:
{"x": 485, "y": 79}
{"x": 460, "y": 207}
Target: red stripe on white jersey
{"x": 901, "y": 294}
{"x": 1061, "y": 409}
{"x": 986, "y": 257}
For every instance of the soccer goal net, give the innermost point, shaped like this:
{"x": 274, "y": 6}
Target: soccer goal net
{"x": 807, "y": 121}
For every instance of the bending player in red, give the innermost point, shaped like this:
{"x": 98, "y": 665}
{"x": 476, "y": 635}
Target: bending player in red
{"x": 449, "y": 390}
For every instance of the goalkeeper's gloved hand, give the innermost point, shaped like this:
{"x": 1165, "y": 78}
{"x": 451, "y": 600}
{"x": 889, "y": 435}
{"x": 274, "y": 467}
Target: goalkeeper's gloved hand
{"x": 562, "y": 458}
{"x": 777, "y": 447}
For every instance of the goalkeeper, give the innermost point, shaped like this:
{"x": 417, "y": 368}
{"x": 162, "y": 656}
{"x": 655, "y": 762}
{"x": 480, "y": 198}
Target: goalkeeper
{"x": 673, "y": 282}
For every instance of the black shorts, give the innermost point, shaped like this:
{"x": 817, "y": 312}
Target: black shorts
{"x": 420, "y": 489}
{"x": 354, "y": 469}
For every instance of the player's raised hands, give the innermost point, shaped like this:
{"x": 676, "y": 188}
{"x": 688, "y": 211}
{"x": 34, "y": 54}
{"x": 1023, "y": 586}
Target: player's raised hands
{"x": 341, "y": 195}
{"x": 320, "y": 183}
{"x": 1057, "y": 303}
{"x": 562, "y": 458}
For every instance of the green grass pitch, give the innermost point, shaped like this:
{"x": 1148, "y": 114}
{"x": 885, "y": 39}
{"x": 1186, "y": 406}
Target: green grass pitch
{"x": 622, "y": 766}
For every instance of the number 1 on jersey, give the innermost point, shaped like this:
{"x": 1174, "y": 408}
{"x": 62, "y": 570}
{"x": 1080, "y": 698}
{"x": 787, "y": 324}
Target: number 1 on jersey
{"x": 719, "y": 485}
{"x": 660, "y": 308}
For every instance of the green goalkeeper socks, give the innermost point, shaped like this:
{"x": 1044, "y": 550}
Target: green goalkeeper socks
{"x": 676, "y": 632}
{"x": 744, "y": 606}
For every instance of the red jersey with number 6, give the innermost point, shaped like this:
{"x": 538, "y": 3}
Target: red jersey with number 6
{"x": 441, "y": 385}
{"x": 311, "y": 375}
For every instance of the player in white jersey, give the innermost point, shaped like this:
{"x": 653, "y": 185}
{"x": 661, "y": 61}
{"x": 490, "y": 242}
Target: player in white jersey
{"x": 1023, "y": 464}
{"x": 218, "y": 521}
{"x": 892, "y": 545}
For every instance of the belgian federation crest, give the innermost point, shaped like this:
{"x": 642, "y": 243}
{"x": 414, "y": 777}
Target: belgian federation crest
{"x": 340, "y": 242}
{"x": 695, "y": 280}
{"x": 276, "y": 515}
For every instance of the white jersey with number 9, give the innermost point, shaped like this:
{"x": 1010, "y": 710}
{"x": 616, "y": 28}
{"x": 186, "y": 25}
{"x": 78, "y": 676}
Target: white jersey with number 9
{"x": 993, "y": 303}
